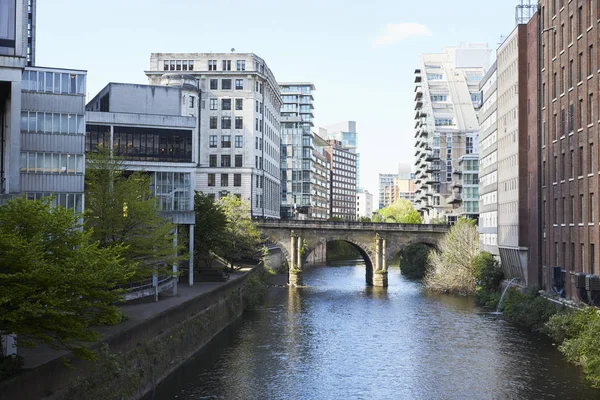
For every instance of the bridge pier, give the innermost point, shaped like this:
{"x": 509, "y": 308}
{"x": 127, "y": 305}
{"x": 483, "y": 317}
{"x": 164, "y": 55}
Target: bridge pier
{"x": 295, "y": 274}
{"x": 380, "y": 272}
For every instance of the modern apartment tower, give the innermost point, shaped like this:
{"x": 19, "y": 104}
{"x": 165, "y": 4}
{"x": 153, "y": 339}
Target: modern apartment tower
{"x": 570, "y": 144}
{"x": 488, "y": 163}
{"x": 297, "y": 152}
{"x": 343, "y": 180}
{"x": 446, "y": 98}
{"x": 345, "y": 133}
{"x": 240, "y": 131}
{"x": 42, "y": 124}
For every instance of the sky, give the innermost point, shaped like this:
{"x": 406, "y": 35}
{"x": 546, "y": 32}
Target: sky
{"x": 360, "y": 55}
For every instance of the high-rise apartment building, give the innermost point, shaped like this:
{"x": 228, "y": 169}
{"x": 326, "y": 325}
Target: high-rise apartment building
{"x": 297, "y": 153}
{"x": 42, "y": 124}
{"x": 345, "y": 133}
{"x": 446, "y": 98}
{"x": 343, "y": 181}
{"x": 364, "y": 204}
{"x": 240, "y": 131}
{"x": 570, "y": 141}
{"x": 488, "y": 163}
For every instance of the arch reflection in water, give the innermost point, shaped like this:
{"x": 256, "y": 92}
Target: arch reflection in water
{"x": 337, "y": 339}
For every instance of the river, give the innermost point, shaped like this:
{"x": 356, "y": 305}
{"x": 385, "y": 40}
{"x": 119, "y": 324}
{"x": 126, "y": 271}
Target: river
{"x": 340, "y": 339}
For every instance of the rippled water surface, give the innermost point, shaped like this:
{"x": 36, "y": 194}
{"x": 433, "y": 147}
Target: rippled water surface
{"x": 339, "y": 339}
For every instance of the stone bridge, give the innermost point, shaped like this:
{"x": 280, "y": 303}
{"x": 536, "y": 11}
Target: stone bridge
{"x": 378, "y": 243}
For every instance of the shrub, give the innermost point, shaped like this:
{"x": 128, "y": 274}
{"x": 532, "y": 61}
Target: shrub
{"x": 452, "y": 265}
{"x": 10, "y": 366}
{"x": 253, "y": 292}
{"x": 488, "y": 272}
{"x": 528, "y": 309}
{"x": 579, "y": 332}
{"x": 413, "y": 261}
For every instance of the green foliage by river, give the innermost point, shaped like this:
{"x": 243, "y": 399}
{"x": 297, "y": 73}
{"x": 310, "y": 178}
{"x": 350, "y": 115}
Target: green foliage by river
{"x": 340, "y": 250}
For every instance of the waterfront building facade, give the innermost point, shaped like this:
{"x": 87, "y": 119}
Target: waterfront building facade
{"x": 239, "y": 128}
{"x": 343, "y": 181}
{"x": 297, "y": 153}
{"x": 488, "y": 163}
{"x": 345, "y": 133}
{"x": 570, "y": 141}
{"x": 364, "y": 204}
{"x": 42, "y": 125}
{"x": 446, "y": 127}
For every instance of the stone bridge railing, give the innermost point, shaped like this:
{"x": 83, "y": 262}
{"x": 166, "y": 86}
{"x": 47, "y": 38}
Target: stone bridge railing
{"x": 356, "y": 226}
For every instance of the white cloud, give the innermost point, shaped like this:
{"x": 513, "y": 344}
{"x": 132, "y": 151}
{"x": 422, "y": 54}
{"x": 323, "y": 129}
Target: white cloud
{"x": 394, "y": 33}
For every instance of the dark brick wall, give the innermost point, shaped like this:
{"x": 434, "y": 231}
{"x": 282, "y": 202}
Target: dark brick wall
{"x": 569, "y": 242}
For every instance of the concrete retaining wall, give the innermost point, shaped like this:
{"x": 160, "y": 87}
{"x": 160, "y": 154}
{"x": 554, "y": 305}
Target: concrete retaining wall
{"x": 131, "y": 363}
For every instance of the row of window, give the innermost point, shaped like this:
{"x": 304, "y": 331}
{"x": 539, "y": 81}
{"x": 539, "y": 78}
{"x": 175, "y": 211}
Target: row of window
{"x": 226, "y": 104}
{"x": 226, "y": 65}
{"x": 569, "y": 266}
{"x": 572, "y": 165}
{"x": 567, "y": 77}
{"x": 225, "y": 160}
{"x": 66, "y": 200}
{"x": 52, "y": 163}
{"x": 226, "y": 84}
{"x": 213, "y": 122}
{"x": 568, "y": 215}
{"x": 226, "y": 141}
{"x": 54, "y": 82}
{"x": 178, "y": 65}
{"x": 143, "y": 144}
{"x": 52, "y": 123}
{"x": 237, "y": 180}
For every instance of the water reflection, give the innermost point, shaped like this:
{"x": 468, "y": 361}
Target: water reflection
{"x": 338, "y": 339}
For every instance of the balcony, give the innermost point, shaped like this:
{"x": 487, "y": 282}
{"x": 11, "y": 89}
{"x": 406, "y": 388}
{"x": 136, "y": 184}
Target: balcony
{"x": 456, "y": 198}
{"x": 433, "y": 168}
{"x": 432, "y": 156}
{"x": 433, "y": 178}
{"x": 418, "y": 93}
{"x": 457, "y": 185}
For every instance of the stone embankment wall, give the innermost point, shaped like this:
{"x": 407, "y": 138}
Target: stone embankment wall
{"x": 133, "y": 362}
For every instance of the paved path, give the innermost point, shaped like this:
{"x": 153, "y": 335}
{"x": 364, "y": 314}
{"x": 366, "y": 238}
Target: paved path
{"x": 136, "y": 311}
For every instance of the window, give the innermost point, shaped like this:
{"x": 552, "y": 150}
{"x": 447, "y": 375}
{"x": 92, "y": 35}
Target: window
{"x": 239, "y": 84}
{"x": 212, "y": 141}
{"x": 225, "y": 161}
{"x": 571, "y": 27}
{"x": 225, "y": 84}
{"x": 590, "y": 109}
{"x": 213, "y": 122}
{"x": 572, "y": 164}
{"x": 211, "y": 179}
{"x": 563, "y": 82}
{"x": 226, "y": 141}
{"x": 212, "y": 160}
{"x": 239, "y": 160}
{"x": 224, "y": 180}
{"x": 239, "y": 104}
{"x": 214, "y": 84}
{"x": 591, "y": 209}
{"x": 226, "y": 65}
{"x": 240, "y": 65}
{"x": 592, "y": 256}
{"x": 226, "y": 104}
{"x": 571, "y": 117}
{"x": 51, "y": 163}
{"x": 572, "y": 220}
{"x": 239, "y": 123}
{"x": 191, "y": 101}
{"x": 580, "y": 161}
{"x": 581, "y": 118}
{"x": 237, "y": 180}
{"x": 591, "y": 60}
{"x": 591, "y": 158}
{"x": 580, "y": 68}
{"x": 239, "y": 141}
{"x": 555, "y": 127}
{"x": 152, "y": 144}
{"x": 571, "y": 74}
{"x": 591, "y": 14}
{"x": 191, "y": 65}
{"x": 214, "y": 104}
{"x": 580, "y": 21}
{"x": 554, "y": 86}
{"x": 581, "y": 206}
{"x": 166, "y": 65}
{"x": 212, "y": 65}
{"x": 225, "y": 122}
{"x": 178, "y": 65}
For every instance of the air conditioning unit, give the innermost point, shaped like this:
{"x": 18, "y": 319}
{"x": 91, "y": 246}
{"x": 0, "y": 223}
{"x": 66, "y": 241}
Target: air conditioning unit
{"x": 580, "y": 284}
{"x": 592, "y": 283}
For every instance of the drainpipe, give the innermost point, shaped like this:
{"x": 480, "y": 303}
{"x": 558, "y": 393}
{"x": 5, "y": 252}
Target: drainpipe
{"x": 540, "y": 232}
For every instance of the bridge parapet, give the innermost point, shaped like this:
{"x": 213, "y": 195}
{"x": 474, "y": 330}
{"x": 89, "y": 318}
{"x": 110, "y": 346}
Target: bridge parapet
{"x": 356, "y": 226}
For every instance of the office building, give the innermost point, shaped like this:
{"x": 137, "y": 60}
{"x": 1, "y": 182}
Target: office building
{"x": 240, "y": 132}
{"x": 569, "y": 141}
{"x": 446, "y": 99}
{"x": 153, "y": 129}
{"x": 488, "y": 163}
{"x": 42, "y": 125}
{"x": 364, "y": 204}
{"x": 345, "y": 133}
{"x": 343, "y": 181}
{"x": 298, "y": 155}
{"x": 396, "y": 186}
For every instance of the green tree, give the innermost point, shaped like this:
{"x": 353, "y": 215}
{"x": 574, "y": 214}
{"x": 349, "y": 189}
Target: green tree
{"x": 55, "y": 282}
{"x": 210, "y": 231}
{"x": 413, "y": 261}
{"x": 400, "y": 212}
{"x": 120, "y": 209}
{"x": 452, "y": 269}
{"x": 364, "y": 219}
{"x": 242, "y": 238}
